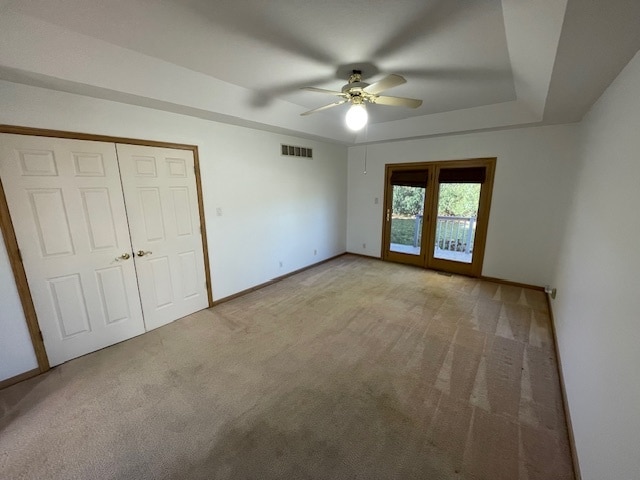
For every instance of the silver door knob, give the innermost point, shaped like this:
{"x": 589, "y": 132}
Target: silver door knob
{"x": 124, "y": 256}
{"x": 142, "y": 253}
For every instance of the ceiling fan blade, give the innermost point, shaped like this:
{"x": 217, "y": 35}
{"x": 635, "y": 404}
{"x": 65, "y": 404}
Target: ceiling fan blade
{"x": 397, "y": 101}
{"x": 264, "y": 96}
{"x": 319, "y": 109}
{"x": 323, "y": 90}
{"x": 387, "y": 82}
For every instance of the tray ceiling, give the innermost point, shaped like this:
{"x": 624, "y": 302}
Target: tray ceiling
{"x": 476, "y": 65}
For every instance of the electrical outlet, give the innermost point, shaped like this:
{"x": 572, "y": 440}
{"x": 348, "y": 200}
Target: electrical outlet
{"x": 280, "y": 262}
{"x": 219, "y": 212}
{"x": 315, "y": 252}
{"x": 375, "y": 200}
{"x": 364, "y": 246}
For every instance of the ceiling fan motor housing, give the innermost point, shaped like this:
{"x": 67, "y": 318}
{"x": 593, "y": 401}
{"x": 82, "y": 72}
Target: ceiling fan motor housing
{"x": 355, "y": 88}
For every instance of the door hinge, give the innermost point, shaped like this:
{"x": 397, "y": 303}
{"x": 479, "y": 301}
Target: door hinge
{"x": 41, "y": 337}
{"x": 19, "y": 254}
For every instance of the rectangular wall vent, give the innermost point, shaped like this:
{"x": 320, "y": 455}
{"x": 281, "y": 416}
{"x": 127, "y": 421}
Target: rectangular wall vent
{"x": 293, "y": 151}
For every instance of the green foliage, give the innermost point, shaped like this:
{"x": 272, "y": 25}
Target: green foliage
{"x": 408, "y": 201}
{"x": 456, "y": 200}
{"x": 403, "y": 230}
{"x": 459, "y": 199}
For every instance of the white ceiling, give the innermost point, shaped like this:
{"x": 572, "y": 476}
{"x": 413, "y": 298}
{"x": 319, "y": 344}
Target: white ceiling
{"x": 477, "y": 64}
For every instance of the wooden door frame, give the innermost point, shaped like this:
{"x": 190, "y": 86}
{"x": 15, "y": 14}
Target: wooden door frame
{"x": 11, "y": 242}
{"x": 387, "y": 254}
{"x": 429, "y": 225}
{"x": 484, "y": 207}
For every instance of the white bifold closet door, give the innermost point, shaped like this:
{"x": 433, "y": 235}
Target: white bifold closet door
{"x": 109, "y": 237}
{"x": 162, "y": 205}
{"x": 69, "y": 216}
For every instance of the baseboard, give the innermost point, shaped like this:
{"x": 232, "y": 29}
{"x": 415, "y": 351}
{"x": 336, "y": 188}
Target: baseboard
{"x": 565, "y": 402}
{"x": 19, "y": 378}
{"x": 274, "y": 280}
{"x": 362, "y": 255}
{"x": 513, "y": 284}
{"x": 482, "y": 277}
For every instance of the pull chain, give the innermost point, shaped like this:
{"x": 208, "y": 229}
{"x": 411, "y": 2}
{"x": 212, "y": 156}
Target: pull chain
{"x": 366, "y": 131}
{"x": 365, "y": 160}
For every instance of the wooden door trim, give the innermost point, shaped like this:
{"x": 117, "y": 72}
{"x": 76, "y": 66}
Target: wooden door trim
{"x": 203, "y": 227}
{"x": 41, "y": 132}
{"x": 20, "y": 276}
{"x": 8, "y": 232}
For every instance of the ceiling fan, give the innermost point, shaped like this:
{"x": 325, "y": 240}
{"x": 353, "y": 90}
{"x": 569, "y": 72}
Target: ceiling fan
{"x": 358, "y": 93}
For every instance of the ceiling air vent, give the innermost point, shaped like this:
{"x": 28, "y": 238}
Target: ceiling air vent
{"x": 294, "y": 151}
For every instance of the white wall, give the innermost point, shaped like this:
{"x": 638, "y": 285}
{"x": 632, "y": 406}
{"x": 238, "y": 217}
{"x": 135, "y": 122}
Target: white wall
{"x": 597, "y": 309}
{"x": 16, "y": 352}
{"x": 274, "y": 208}
{"x": 530, "y": 194}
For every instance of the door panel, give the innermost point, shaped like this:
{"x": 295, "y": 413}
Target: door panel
{"x": 457, "y": 210}
{"x": 160, "y": 282}
{"x": 406, "y": 229}
{"x": 152, "y": 215}
{"x": 182, "y": 212}
{"x": 96, "y": 203}
{"x": 406, "y": 196}
{"x": 113, "y": 294}
{"x": 51, "y": 221}
{"x": 188, "y": 273}
{"x": 66, "y": 203}
{"x": 69, "y": 305}
{"x": 162, "y": 203}
{"x": 461, "y": 204}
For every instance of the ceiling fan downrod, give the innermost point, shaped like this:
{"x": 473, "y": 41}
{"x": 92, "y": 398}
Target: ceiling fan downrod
{"x": 356, "y": 76}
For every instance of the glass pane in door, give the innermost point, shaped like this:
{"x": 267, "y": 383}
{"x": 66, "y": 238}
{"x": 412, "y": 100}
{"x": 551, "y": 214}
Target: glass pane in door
{"x": 456, "y": 222}
{"x": 406, "y": 219}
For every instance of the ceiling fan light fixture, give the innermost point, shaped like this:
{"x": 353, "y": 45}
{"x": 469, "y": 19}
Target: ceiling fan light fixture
{"x": 357, "y": 117}
{"x": 357, "y": 93}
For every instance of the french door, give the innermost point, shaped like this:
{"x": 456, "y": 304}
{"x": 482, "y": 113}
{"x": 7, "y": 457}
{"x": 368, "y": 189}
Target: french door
{"x": 109, "y": 238}
{"x": 436, "y": 214}
{"x": 406, "y": 213}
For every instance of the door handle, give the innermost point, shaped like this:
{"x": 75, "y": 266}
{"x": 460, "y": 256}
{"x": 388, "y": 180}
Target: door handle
{"x": 124, "y": 256}
{"x": 142, "y": 253}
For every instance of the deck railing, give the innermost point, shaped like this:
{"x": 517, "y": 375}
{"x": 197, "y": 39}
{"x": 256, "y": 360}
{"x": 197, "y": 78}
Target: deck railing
{"x": 455, "y": 234}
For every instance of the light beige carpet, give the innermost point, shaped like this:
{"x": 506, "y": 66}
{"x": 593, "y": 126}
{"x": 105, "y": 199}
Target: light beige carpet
{"x": 355, "y": 369}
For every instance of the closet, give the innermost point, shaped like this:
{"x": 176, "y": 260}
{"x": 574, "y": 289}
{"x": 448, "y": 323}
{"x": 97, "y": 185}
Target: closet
{"x": 109, "y": 236}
